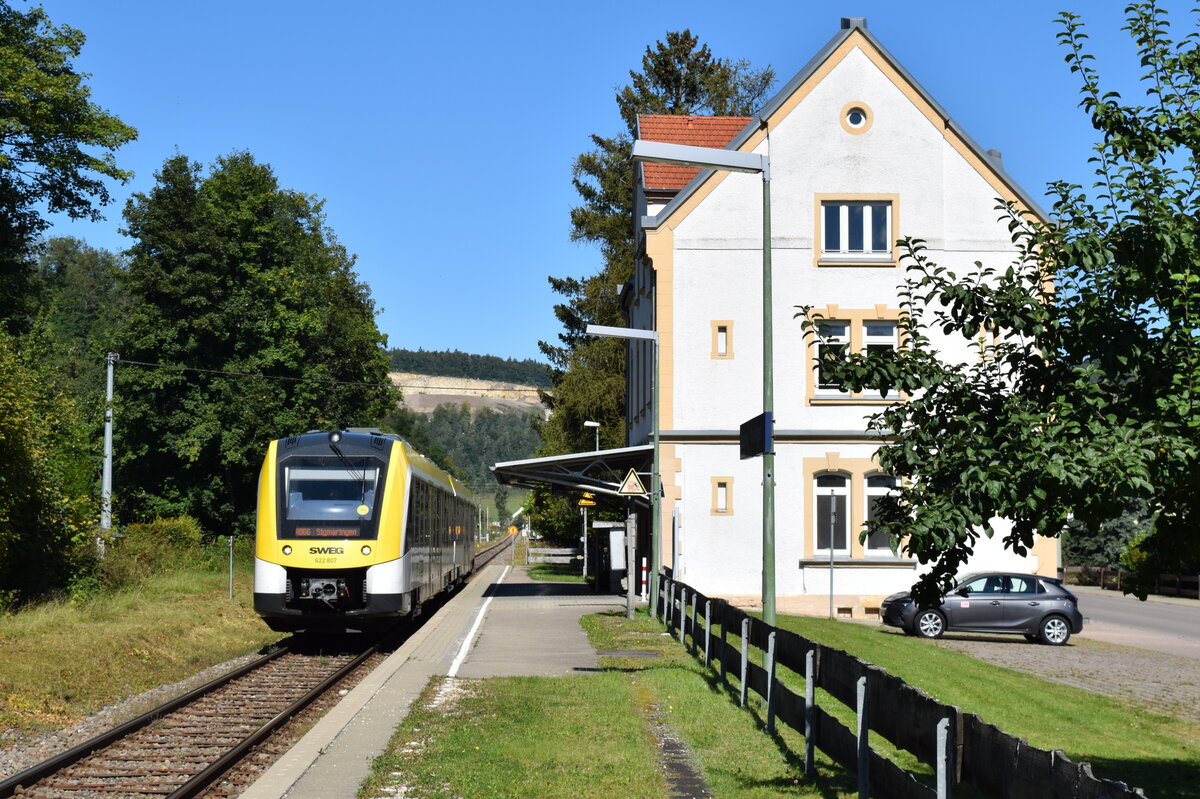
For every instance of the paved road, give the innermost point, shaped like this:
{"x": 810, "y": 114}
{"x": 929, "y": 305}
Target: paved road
{"x": 1164, "y": 624}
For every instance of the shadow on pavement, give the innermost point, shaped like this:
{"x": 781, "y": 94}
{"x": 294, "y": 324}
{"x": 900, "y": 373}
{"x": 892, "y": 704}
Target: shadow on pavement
{"x": 540, "y": 589}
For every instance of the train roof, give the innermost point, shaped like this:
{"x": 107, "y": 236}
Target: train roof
{"x": 369, "y": 437}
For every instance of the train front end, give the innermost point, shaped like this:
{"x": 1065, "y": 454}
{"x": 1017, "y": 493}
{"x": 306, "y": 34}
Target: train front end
{"x": 329, "y": 532}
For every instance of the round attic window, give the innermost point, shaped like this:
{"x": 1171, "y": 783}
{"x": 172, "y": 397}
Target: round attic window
{"x": 856, "y": 118}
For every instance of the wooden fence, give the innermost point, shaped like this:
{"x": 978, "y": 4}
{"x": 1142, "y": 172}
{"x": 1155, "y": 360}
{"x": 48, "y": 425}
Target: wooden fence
{"x": 1184, "y": 585}
{"x": 558, "y": 555}
{"x": 960, "y": 747}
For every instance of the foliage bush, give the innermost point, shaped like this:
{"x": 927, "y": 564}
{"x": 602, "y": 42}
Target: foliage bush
{"x": 151, "y": 548}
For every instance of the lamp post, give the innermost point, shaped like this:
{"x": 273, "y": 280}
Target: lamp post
{"x": 656, "y": 521}
{"x": 733, "y": 161}
{"x": 597, "y": 426}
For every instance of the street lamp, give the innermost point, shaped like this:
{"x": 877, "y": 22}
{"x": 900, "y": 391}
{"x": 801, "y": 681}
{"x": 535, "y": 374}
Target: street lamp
{"x": 655, "y": 522}
{"x": 597, "y": 426}
{"x": 733, "y": 161}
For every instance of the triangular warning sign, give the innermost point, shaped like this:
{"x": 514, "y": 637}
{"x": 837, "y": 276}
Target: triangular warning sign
{"x": 631, "y": 485}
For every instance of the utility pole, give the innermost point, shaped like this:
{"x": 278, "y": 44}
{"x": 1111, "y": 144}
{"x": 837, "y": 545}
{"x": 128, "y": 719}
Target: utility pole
{"x": 106, "y": 480}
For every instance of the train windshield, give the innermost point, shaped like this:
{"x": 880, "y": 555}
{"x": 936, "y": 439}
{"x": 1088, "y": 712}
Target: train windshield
{"x": 345, "y": 492}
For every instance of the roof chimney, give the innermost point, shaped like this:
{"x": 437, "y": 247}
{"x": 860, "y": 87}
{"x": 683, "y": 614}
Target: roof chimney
{"x": 854, "y": 22}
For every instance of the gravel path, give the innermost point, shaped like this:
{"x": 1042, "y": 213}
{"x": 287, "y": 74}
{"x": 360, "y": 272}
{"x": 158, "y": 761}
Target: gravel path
{"x": 1168, "y": 684}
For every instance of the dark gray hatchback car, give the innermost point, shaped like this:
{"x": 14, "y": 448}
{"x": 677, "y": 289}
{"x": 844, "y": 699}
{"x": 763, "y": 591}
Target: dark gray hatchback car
{"x": 995, "y": 602}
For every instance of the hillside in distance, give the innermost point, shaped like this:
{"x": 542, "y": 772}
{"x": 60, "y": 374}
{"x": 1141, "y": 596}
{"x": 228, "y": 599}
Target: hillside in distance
{"x": 423, "y": 393}
{"x": 449, "y": 363}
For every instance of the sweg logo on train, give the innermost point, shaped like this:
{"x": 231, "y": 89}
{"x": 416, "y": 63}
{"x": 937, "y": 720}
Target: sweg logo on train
{"x": 326, "y": 551}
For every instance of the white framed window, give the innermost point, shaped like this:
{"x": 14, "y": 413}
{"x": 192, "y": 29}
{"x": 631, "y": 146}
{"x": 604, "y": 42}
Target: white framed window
{"x": 833, "y": 342}
{"x": 832, "y": 507}
{"x": 836, "y": 338}
{"x": 856, "y": 231}
{"x": 722, "y": 496}
{"x": 877, "y": 486}
{"x": 722, "y": 339}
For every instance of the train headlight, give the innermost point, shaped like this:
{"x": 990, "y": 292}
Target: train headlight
{"x": 287, "y": 550}
{"x": 366, "y": 550}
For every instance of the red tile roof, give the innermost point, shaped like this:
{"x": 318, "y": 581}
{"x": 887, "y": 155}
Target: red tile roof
{"x": 675, "y": 129}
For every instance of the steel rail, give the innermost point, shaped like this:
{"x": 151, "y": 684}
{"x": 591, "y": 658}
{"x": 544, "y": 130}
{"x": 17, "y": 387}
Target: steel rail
{"x": 486, "y": 556}
{"x": 227, "y": 761}
{"x": 31, "y": 775}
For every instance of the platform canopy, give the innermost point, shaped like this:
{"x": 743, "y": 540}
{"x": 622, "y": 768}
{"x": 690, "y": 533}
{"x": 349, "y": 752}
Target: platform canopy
{"x": 600, "y": 471}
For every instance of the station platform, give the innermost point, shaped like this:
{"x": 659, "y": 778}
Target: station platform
{"x": 502, "y": 624}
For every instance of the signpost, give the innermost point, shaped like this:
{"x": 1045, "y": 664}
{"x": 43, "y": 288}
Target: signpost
{"x": 632, "y": 486}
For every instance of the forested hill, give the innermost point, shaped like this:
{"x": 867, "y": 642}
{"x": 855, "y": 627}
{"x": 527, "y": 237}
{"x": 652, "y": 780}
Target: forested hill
{"x": 479, "y": 367}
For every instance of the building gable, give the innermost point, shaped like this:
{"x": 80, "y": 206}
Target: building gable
{"x": 854, "y": 38}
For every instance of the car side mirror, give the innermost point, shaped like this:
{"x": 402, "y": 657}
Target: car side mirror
{"x": 963, "y": 591}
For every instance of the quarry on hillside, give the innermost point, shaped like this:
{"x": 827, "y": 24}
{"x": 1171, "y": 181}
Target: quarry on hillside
{"x": 423, "y": 393}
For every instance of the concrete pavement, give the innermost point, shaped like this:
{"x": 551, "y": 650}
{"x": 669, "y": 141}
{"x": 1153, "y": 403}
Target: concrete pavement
{"x": 501, "y": 624}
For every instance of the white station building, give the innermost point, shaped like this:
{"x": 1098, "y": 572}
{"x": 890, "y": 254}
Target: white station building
{"x": 860, "y": 156}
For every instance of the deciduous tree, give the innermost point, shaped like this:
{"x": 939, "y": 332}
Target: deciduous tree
{"x": 257, "y": 326}
{"x": 1082, "y": 399}
{"x": 56, "y": 145}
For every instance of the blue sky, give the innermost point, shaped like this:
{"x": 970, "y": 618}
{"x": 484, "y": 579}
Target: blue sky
{"x": 441, "y": 135}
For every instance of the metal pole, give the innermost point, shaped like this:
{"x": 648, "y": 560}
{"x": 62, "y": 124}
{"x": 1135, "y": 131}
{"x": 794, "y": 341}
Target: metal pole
{"x": 630, "y": 571}
{"x": 832, "y": 533}
{"x": 231, "y": 567}
{"x": 810, "y": 704}
{"x": 943, "y": 759}
{"x": 106, "y": 479}
{"x": 655, "y": 483}
{"x": 768, "y": 532}
{"x": 584, "y": 539}
{"x": 864, "y": 746}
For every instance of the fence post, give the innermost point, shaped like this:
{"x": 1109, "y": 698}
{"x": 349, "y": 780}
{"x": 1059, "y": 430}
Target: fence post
{"x": 682, "y": 613}
{"x": 943, "y": 759}
{"x": 771, "y": 682}
{"x": 745, "y": 659}
{"x": 810, "y": 702}
{"x": 692, "y": 624}
{"x": 864, "y": 747}
{"x": 724, "y": 644}
{"x": 707, "y": 632}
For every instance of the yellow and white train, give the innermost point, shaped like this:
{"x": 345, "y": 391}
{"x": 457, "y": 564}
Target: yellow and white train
{"x": 355, "y": 529}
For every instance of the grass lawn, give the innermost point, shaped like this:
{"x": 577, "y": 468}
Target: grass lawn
{"x": 61, "y": 661}
{"x": 589, "y": 736}
{"x": 557, "y": 572}
{"x": 1122, "y": 742}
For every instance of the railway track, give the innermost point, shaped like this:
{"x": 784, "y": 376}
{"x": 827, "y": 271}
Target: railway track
{"x": 181, "y": 748}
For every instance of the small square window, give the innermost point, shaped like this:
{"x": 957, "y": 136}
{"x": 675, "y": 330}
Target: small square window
{"x": 722, "y": 338}
{"x": 722, "y": 496}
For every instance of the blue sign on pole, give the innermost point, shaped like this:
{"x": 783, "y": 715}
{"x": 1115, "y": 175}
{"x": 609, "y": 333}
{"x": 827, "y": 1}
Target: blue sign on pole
{"x": 757, "y": 436}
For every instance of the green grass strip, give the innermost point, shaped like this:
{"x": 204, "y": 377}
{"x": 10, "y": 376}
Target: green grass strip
{"x": 520, "y": 737}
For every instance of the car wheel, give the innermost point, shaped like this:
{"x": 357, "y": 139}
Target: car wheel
{"x": 929, "y": 624}
{"x": 1054, "y": 631}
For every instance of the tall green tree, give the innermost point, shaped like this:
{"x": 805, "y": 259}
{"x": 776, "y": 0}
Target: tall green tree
{"x": 46, "y": 470}
{"x": 679, "y": 75}
{"x": 79, "y": 305}
{"x": 246, "y": 322}
{"x": 1083, "y": 400}
{"x": 56, "y": 145}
